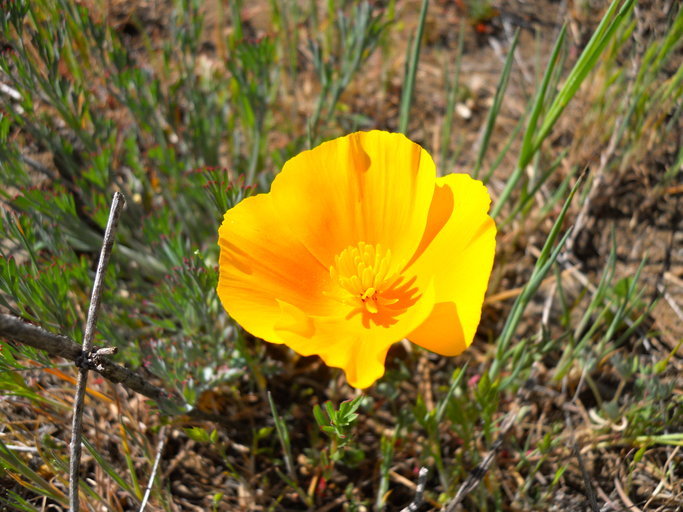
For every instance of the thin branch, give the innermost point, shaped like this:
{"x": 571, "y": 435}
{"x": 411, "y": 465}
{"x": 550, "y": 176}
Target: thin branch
{"x": 595, "y": 190}
{"x": 582, "y": 467}
{"x": 476, "y": 476}
{"x": 96, "y": 299}
{"x": 15, "y": 329}
{"x": 160, "y": 448}
{"x": 419, "y": 491}
{"x": 671, "y": 301}
{"x": 93, "y": 312}
{"x": 56, "y": 345}
{"x": 592, "y": 499}
{"x": 12, "y": 93}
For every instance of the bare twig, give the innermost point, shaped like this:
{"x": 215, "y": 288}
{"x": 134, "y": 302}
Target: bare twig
{"x": 595, "y": 190}
{"x": 592, "y": 498}
{"x": 17, "y": 330}
{"x": 56, "y": 345}
{"x": 624, "y": 497}
{"x": 582, "y": 467}
{"x": 667, "y": 471}
{"x": 472, "y": 481}
{"x": 571, "y": 268}
{"x": 419, "y": 491}
{"x": 671, "y": 301}
{"x": 18, "y": 448}
{"x": 12, "y": 93}
{"x": 609, "y": 503}
{"x": 93, "y": 311}
{"x": 160, "y": 448}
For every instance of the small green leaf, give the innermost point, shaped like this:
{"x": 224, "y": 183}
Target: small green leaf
{"x": 198, "y": 434}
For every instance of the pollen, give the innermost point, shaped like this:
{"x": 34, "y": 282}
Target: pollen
{"x": 364, "y": 272}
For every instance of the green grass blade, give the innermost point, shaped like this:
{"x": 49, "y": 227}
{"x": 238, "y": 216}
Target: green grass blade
{"x": 539, "y": 102}
{"x": 10, "y": 462}
{"x": 506, "y": 147}
{"x": 111, "y": 471}
{"x": 283, "y": 436}
{"x": 526, "y": 152}
{"x": 534, "y": 136}
{"x": 452, "y": 96}
{"x": 543, "y": 264}
{"x": 587, "y": 61}
{"x": 411, "y": 71}
{"x": 495, "y": 107}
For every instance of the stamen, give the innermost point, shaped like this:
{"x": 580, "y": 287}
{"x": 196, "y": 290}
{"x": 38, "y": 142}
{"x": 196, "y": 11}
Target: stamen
{"x": 364, "y": 272}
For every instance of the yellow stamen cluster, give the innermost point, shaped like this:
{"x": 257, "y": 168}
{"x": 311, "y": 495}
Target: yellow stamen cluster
{"x": 364, "y": 271}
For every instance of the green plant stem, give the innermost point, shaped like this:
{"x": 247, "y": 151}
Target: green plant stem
{"x": 411, "y": 71}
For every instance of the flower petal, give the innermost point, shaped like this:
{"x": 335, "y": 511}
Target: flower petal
{"x": 441, "y": 332}
{"x": 357, "y": 348}
{"x": 373, "y": 187}
{"x": 460, "y": 254}
{"x": 263, "y": 267}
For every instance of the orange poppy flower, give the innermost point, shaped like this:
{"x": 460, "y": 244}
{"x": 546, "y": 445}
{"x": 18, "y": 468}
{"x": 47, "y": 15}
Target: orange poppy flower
{"x": 357, "y": 246}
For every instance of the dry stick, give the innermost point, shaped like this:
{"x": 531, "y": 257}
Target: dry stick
{"x": 592, "y": 499}
{"x": 57, "y": 345}
{"x": 472, "y": 481}
{"x": 160, "y": 448}
{"x": 93, "y": 311}
{"x": 12, "y": 93}
{"x": 596, "y": 188}
{"x": 582, "y": 467}
{"x": 671, "y": 301}
{"x": 419, "y": 492}
{"x": 566, "y": 260}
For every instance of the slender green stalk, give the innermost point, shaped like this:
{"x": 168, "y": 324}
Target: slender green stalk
{"x": 535, "y": 135}
{"x": 495, "y": 106}
{"x": 602, "y": 36}
{"x": 547, "y": 257}
{"x": 526, "y": 154}
{"x": 411, "y": 71}
{"x": 452, "y": 88}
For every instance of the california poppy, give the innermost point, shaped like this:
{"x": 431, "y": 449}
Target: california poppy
{"x": 358, "y": 245}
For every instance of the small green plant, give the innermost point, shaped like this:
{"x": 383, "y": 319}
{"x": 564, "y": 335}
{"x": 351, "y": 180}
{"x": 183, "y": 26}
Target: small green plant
{"x": 337, "y": 423}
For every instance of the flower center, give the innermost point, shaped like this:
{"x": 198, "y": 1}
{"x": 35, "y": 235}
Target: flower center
{"x": 364, "y": 272}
